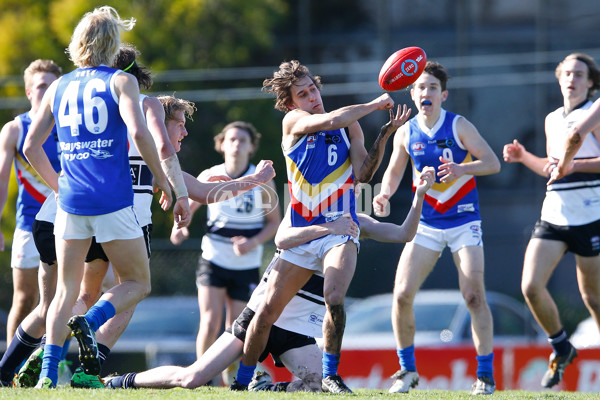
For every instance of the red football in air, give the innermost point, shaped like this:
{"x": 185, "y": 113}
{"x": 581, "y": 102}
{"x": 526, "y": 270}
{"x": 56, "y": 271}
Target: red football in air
{"x": 402, "y": 68}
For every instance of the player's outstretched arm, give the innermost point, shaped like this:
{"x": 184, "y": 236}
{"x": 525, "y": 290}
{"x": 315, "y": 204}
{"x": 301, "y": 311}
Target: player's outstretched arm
{"x": 516, "y": 152}
{"x": 212, "y": 192}
{"x": 388, "y": 232}
{"x": 298, "y": 122}
{"x": 288, "y": 236}
{"x": 371, "y": 160}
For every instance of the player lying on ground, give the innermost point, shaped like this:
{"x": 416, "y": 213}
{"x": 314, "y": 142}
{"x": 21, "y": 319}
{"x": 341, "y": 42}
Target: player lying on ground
{"x": 288, "y": 340}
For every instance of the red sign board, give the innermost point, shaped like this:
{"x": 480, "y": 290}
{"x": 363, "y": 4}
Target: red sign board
{"x": 454, "y": 368}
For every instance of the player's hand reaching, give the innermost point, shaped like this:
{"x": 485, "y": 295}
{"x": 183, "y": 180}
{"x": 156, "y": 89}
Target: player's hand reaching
{"x": 426, "y": 180}
{"x": 397, "y": 120}
{"x": 344, "y": 226}
{"x": 380, "y": 205}
{"x": 264, "y": 171}
{"x": 513, "y": 152}
{"x": 449, "y": 171}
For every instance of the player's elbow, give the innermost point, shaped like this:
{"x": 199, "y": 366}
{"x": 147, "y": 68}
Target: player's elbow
{"x": 495, "y": 166}
{"x": 27, "y": 149}
{"x": 282, "y": 243}
{"x": 574, "y": 137}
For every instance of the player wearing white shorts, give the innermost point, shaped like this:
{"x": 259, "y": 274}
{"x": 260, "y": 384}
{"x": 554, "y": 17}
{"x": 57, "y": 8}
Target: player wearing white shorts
{"x": 453, "y": 146}
{"x": 291, "y": 340}
{"x": 32, "y": 192}
{"x": 324, "y": 155}
{"x": 94, "y": 108}
{"x": 570, "y": 216}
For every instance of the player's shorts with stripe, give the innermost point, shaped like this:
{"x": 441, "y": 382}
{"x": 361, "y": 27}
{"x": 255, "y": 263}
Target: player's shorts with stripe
{"x": 280, "y": 340}
{"x": 239, "y": 284}
{"x": 583, "y": 240}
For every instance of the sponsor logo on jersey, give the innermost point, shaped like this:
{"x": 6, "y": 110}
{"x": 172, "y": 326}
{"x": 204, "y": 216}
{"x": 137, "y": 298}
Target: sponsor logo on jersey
{"x": 466, "y": 208}
{"x": 333, "y": 139}
{"x": 94, "y": 147}
{"x": 418, "y": 146}
{"x": 445, "y": 143}
{"x": 311, "y": 141}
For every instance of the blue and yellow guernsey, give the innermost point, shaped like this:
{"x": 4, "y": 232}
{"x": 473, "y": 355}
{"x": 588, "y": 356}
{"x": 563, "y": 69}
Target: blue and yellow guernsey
{"x": 320, "y": 178}
{"x": 446, "y": 205}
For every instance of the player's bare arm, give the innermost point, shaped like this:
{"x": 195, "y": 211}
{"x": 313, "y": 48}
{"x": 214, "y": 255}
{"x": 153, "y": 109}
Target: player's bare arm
{"x": 41, "y": 126}
{"x": 155, "y": 117}
{"x": 128, "y": 92}
{"x": 485, "y": 162}
{"x": 516, "y": 152}
{"x": 392, "y": 233}
{"x": 365, "y": 170}
{"x": 288, "y": 237}
{"x": 212, "y": 192}
{"x": 8, "y": 147}
{"x": 298, "y": 122}
{"x": 393, "y": 174}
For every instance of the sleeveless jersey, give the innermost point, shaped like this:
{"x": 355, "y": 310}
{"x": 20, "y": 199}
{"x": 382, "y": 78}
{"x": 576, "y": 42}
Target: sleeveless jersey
{"x": 141, "y": 178}
{"x": 574, "y": 199}
{"x": 304, "y": 313}
{"x": 446, "y": 205}
{"x": 32, "y": 188}
{"x": 242, "y": 215}
{"x": 95, "y": 175}
{"x": 320, "y": 178}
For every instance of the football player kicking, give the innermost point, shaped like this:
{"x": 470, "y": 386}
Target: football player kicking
{"x": 291, "y": 340}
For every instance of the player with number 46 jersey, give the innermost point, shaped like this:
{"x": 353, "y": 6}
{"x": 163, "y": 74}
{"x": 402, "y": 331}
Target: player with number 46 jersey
{"x": 94, "y": 146}
{"x": 94, "y": 108}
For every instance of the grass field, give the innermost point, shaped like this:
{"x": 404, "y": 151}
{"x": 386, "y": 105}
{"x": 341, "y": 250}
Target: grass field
{"x": 224, "y": 393}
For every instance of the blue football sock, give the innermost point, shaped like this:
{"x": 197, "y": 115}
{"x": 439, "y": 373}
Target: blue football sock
{"x": 50, "y": 362}
{"x": 407, "y": 358}
{"x": 330, "y": 364}
{"x": 18, "y": 350}
{"x": 245, "y": 374}
{"x": 99, "y": 313}
{"x": 485, "y": 366}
